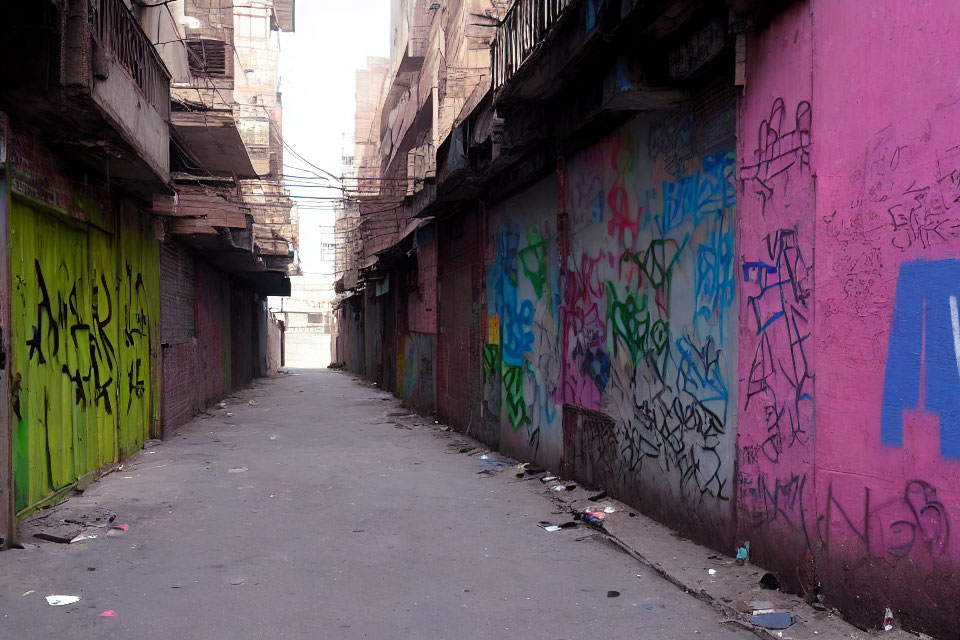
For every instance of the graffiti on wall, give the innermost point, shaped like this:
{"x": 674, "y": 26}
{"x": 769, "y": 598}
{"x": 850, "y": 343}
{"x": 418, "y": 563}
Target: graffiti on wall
{"x": 776, "y": 270}
{"x": 521, "y": 355}
{"x": 81, "y": 352}
{"x": 913, "y": 528}
{"x": 63, "y": 320}
{"x": 415, "y": 356}
{"x": 648, "y": 293}
{"x": 924, "y": 345}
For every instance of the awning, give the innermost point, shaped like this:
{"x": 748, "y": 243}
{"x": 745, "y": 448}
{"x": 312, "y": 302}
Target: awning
{"x": 286, "y": 14}
{"x": 213, "y": 141}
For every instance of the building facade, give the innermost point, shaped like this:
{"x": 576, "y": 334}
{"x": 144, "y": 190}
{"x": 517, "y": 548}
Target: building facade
{"x": 631, "y": 242}
{"x": 132, "y": 293}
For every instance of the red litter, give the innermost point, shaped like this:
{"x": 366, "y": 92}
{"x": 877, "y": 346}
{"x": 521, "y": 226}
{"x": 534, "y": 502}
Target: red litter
{"x": 108, "y": 614}
{"x": 595, "y": 517}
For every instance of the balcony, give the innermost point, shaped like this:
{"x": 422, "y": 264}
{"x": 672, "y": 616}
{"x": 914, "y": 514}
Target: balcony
{"x": 116, "y": 30}
{"x": 525, "y": 27}
{"x": 108, "y": 57}
{"x": 86, "y": 75}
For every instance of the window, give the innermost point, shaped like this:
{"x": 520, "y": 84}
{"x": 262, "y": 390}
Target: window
{"x": 314, "y": 318}
{"x": 207, "y": 57}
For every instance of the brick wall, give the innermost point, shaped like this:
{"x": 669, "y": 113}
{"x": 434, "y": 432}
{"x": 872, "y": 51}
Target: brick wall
{"x": 213, "y": 334}
{"x": 458, "y": 343}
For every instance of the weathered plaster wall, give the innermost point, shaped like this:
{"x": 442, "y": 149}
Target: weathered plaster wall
{"x": 416, "y": 353}
{"x": 650, "y": 317}
{"x": 850, "y": 139}
{"x": 521, "y": 352}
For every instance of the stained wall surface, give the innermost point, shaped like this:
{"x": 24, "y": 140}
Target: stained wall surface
{"x": 522, "y": 346}
{"x": 650, "y": 337}
{"x": 775, "y": 276}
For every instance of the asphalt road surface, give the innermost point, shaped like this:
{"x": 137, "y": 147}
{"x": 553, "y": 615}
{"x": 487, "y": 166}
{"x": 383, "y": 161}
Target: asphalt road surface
{"x": 309, "y": 514}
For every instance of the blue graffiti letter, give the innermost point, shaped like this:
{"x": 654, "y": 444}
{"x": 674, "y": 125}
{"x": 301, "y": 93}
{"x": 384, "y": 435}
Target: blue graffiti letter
{"x": 925, "y": 332}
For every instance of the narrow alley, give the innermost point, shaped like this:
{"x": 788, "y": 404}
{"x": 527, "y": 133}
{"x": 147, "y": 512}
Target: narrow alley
{"x": 302, "y": 510}
{"x": 480, "y": 319}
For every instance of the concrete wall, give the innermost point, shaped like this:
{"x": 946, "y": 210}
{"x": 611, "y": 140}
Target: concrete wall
{"x": 849, "y": 140}
{"x": 776, "y": 438}
{"x": 274, "y": 345}
{"x": 522, "y": 350}
{"x": 144, "y": 128}
{"x": 650, "y": 337}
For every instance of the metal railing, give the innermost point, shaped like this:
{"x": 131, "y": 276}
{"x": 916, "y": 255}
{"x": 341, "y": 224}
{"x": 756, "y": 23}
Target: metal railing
{"x": 116, "y": 30}
{"x": 525, "y": 26}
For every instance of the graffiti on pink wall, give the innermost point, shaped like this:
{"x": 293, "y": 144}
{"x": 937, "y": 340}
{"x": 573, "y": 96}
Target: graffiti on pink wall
{"x": 775, "y": 443}
{"x": 895, "y": 228}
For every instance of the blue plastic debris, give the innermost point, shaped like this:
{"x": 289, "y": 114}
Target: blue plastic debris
{"x": 778, "y": 620}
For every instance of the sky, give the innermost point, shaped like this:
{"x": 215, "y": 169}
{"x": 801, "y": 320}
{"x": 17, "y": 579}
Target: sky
{"x": 318, "y": 64}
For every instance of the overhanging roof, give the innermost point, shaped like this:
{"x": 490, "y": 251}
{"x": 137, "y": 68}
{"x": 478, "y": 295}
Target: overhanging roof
{"x": 266, "y": 283}
{"x": 213, "y": 140}
{"x": 286, "y": 18}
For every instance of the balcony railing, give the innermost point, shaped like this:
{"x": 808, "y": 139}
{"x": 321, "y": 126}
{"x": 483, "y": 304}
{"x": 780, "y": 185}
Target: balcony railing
{"x": 116, "y": 30}
{"x": 525, "y": 26}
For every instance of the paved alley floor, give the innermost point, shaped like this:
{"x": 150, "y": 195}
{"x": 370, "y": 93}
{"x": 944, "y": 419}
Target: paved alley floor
{"x": 302, "y": 511}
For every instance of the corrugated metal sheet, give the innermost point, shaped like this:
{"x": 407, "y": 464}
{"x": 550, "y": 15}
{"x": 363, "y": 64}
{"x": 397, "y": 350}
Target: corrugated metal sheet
{"x": 85, "y": 325}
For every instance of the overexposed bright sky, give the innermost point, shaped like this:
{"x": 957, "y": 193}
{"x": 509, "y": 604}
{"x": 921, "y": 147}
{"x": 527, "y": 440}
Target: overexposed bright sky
{"x": 318, "y": 64}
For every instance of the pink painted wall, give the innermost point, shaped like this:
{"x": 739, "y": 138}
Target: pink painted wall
{"x": 888, "y": 224}
{"x": 883, "y": 458}
{"x": 775, "y": 441}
